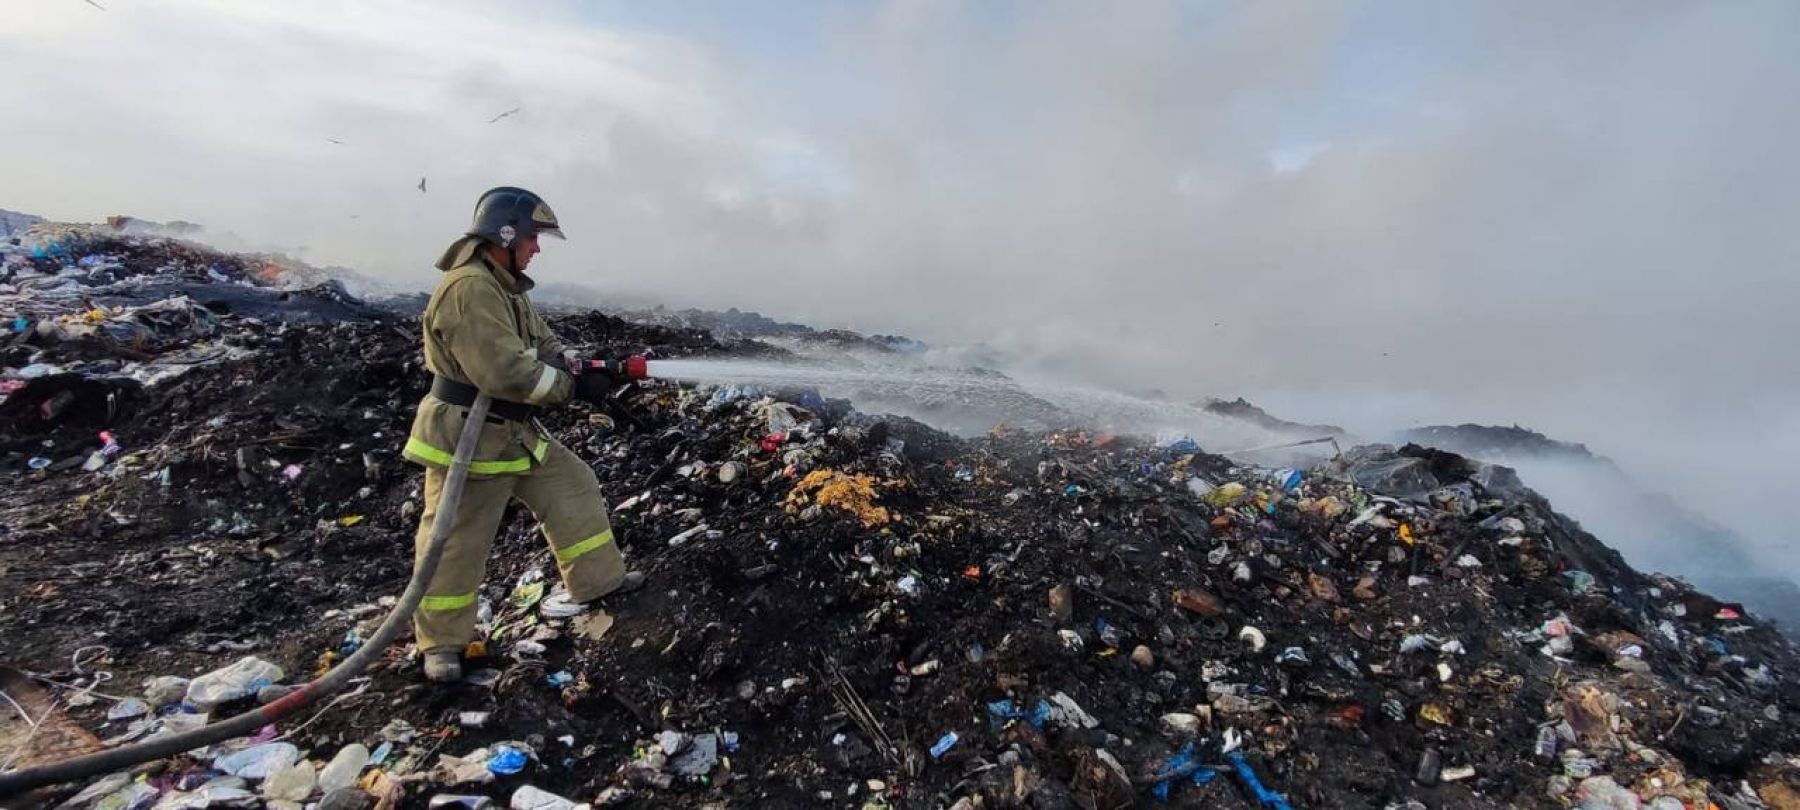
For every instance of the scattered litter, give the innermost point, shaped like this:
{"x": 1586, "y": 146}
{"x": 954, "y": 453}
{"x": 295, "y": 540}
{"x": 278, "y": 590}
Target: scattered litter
{"x": 531, "y": 798}
{"x": 235, "y": 682}
{"x": 344, "y": 767}
{"x": 1264, "y": 796}
{"x": 593, "y": 625}
{"x": 1005, "y": 711}
{"x": 127, "y": 709}
{"x": 507, "y": 760}
{"x": 1066, "y": 712}
{"x": 258, "y": 761}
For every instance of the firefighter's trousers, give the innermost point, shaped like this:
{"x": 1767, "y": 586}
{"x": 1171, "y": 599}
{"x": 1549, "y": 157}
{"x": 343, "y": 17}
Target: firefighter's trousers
{"x": 562, "y": 493}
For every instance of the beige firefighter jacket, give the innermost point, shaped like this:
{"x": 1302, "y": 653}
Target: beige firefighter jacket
{"x": 481, "y": 329}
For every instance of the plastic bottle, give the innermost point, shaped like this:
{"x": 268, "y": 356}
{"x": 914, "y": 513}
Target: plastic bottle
{"x": 343, "y": 769}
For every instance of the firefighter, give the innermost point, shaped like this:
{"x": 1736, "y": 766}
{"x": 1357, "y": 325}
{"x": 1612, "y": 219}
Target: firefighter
{"x": 482, "y": 335}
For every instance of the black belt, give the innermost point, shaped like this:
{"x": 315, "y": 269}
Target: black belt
{"x": 464, "y": 394}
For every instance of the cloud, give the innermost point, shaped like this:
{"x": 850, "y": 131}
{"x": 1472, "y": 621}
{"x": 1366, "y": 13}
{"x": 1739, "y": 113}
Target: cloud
{"x": 1576, "y": 217}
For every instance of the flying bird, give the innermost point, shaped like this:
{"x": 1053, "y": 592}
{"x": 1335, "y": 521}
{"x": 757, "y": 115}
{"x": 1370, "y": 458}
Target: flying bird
{"x": 334, "y": 140}
{"x": 421, "y": 185}
{"x": 95, "y": 5}
{"x": 505, "y": 114}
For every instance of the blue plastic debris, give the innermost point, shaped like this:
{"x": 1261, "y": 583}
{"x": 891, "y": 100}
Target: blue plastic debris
{"x": 382, "y": 752}
{"x": 1005, "y": 711}
{"x": 1292, "y": 655}
{"x": 1181, "y": 765}
{"x": 1109, "y": 635}
{"x": 1287, "y": 478}
{"x": 1072, "y": 489}
{"x": 943, "y": 746}
{"x": 1183, "y": 446}
{"x": 729, "y": 739}
{"x": 352, "y": 642}
{"x": 51, "y": 250}
{"x": 507, "y": 761}
{"x": 725, "y": 395}
{"x": 1717, "y": 645}
{"x": 560, "y": 678}
{"x": 1264, "y": 796}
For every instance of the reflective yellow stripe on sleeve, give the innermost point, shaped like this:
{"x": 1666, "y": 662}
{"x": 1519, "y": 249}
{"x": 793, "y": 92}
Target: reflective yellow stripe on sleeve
{"x": 456, "y": 602}
{"x": 583, "y": 547}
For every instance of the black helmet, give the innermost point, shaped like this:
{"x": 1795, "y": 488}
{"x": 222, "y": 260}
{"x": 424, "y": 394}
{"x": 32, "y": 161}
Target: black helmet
{"x": 504, "y": 214}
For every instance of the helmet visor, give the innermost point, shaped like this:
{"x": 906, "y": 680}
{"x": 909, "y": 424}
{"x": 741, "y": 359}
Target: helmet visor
{"x": 545, "y": 221}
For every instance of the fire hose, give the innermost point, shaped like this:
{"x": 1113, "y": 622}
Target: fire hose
{"x": 83, "y": 767}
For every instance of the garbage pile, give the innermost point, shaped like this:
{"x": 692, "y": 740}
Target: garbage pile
{"x": 843, "y": 609}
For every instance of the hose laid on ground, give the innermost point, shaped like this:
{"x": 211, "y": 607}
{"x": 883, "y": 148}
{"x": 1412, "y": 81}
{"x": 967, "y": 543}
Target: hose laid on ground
{"x": 103, "y": 762}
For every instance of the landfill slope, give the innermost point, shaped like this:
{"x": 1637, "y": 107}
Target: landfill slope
{"x": 843, "y": 609}
{"x": 1651, "y": 528}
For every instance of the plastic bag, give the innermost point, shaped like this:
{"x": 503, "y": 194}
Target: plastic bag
{"x": 240, "y": 680}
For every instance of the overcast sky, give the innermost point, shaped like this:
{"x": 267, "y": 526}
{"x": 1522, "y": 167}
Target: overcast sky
{"x": 1580, "y": 217}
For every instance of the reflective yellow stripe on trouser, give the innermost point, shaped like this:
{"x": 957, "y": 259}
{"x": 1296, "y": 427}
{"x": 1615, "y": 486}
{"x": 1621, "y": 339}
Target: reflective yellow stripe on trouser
{"x": 566, "y": 555}
{"x": 440, "y": 603}
{"x": 421, "y": 450}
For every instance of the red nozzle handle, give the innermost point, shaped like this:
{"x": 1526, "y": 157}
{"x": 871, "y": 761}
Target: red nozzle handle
{"x": 635, "y": 367}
